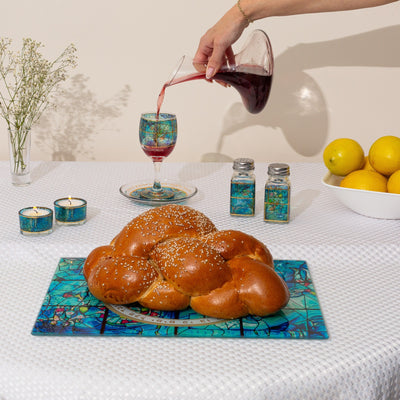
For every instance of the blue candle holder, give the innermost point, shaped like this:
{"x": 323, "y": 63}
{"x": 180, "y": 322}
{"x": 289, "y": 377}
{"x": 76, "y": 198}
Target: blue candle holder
{"x": 36, "y": 221}
{"x": 70, "y": 211}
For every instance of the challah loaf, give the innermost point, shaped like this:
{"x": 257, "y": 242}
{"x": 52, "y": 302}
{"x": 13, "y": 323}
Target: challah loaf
{"x": 173, "y": 256}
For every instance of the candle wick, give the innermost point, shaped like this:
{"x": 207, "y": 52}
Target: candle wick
{"x": 70, "y": 202}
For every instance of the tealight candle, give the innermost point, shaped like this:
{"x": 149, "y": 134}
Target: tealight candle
{"x": 70, "y": 211}
{"x": 36, "y": 220}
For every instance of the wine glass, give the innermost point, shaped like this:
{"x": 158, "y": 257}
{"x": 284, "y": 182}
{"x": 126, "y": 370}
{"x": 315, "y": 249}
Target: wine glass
{"x": 157, "y": 136}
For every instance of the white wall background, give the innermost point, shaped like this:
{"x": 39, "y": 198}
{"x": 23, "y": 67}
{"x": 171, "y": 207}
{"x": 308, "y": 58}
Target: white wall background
{"x": 336, "y": 75}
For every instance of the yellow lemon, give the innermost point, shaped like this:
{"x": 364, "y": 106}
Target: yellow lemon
{"x": 384, "y": 154}
{"x": 367, "y": 165}
{"x": 343, "y": 156}
{"x": 365, "y": 180}
{"x": 393, "y": 184}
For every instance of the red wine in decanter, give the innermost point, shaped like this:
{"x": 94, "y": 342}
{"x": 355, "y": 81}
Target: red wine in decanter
{"x": 252, "y": 83}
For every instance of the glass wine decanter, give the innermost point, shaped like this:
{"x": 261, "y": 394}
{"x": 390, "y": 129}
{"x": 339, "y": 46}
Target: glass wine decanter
{"x": 250, "y": 73}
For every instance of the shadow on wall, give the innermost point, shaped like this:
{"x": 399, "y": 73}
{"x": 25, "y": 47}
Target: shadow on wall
{"x": 297, "y": 105}
{"x": 69, "y": 129}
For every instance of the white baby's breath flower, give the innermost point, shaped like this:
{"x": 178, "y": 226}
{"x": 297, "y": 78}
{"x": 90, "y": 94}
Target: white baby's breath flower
{"x": 27, "y": 85}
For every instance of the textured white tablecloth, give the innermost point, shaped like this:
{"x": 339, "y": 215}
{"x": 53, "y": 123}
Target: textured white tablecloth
{"x": 354, "y": 262}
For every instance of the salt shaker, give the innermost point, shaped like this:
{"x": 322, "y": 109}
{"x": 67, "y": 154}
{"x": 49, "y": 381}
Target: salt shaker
{"x": 243, "y": 188}
{"x": 277, "y": 194}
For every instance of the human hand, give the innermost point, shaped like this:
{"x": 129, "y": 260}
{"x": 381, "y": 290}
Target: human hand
{"x": 215, "y": 47}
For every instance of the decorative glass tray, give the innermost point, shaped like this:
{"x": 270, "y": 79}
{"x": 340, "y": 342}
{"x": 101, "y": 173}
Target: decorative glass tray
{"x": 70, "y": 310}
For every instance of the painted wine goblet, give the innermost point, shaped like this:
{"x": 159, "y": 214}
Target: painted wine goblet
{"x": 157, "y": 136}
{"x": 158, "y": 133}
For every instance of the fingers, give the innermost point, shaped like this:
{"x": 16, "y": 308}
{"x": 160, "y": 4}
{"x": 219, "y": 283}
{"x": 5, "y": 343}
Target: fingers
{"x": 224, "y": 84}
{"x": 211, "y": 54}
{"x": 230, "y": 56}
{"x": 217, "y": 59}
{"x": 215, "y": 47}
{"x": 204, "y": 50}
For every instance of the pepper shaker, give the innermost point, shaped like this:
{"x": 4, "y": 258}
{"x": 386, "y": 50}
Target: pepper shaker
{"x": 277, "y": 194}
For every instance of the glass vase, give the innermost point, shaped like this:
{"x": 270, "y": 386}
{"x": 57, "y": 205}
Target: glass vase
{"x": 20, "y": 152}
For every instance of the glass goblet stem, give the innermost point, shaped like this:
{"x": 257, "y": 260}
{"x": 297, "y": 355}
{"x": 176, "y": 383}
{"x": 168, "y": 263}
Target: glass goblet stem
{"x": 156, "y": 184}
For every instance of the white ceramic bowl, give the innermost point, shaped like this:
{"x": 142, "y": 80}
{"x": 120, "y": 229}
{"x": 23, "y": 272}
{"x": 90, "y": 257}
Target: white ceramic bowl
{"x": 365, "y": 202}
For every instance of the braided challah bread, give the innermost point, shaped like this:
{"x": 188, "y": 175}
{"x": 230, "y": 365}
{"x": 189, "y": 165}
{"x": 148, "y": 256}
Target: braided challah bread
{"x": 173, "y": 256}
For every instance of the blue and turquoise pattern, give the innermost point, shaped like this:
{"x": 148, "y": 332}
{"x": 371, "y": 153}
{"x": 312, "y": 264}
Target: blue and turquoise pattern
{"x": 277, "y": 203}
{"x": 70, "y": 215}
{"x": 70, "y": 310}
{"x": 40, "y": 224}
{"x": 158, "y": 132}
{"x": 242, "y": 198}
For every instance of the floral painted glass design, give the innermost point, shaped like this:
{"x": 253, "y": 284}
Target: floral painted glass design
{"x": 277, "y": 194}
{"x": 243, "y": 187}
{"x": 70, "y": 309}
{"x": 277, "y": 204}
{"x": 157, "y": 135}
{"x": 242, "y": 197}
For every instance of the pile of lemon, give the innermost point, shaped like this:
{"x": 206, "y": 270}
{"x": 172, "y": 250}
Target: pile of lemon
{"x": 378, "y": 171}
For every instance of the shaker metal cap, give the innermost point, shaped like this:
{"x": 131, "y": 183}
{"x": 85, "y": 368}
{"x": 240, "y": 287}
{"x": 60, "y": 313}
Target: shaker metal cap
{"x": 243, "y": 164}
{"x": 278, "y": 169}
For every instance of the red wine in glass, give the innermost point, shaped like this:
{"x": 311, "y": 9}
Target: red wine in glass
{"x": 158, "y": 153}
{"x": 252, "y": 83}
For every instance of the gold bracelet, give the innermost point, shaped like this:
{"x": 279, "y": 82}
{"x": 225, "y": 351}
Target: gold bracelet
{"x": 249, "y": 20}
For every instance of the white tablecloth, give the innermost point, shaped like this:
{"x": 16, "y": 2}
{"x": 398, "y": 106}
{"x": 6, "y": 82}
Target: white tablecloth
{"x": 354, "y": 262}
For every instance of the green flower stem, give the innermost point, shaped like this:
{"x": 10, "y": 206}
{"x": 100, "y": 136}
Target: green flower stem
{"x": 18, "y": 141}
